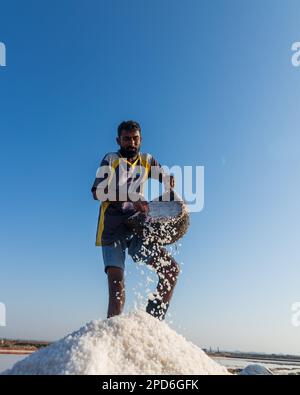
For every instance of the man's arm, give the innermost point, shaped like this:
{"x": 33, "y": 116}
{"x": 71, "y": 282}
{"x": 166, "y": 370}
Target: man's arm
{"x": 99, "y": 179}
{"x": 157, "y": 172}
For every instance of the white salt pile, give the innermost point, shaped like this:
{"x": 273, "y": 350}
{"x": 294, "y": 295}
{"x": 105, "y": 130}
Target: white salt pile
{"x": 256, "y": 370}
{"x": 135, "y": 343}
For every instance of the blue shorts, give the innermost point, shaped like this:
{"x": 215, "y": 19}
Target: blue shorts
{"x": 114, "y": 254}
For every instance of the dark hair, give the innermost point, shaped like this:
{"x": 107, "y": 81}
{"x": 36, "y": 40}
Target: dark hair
{"x": 128, "y": 126}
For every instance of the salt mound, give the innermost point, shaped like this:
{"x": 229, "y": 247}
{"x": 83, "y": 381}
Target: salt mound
{"x": 255, "y": 370}
{"x": 135, "y": 343}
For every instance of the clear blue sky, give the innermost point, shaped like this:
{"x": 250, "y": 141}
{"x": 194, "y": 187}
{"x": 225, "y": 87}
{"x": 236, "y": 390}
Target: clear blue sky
{"x": 211, "y": 83}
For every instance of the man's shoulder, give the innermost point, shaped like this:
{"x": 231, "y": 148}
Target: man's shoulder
{"x": 146, "y": 156}
{"x": 149, "y": 159}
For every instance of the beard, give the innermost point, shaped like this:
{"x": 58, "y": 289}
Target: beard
{"x": 129, "y": 152}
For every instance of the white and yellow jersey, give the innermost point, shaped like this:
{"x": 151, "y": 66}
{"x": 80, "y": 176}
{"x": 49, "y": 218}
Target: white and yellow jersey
{"x": 117, "y": 174}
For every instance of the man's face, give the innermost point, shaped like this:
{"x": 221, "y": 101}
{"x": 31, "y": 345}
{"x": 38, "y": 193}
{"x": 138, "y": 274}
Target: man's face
{"x": 130, "y": 143}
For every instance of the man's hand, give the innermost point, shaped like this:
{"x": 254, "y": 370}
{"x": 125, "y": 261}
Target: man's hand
{"x": 141, "y": 206}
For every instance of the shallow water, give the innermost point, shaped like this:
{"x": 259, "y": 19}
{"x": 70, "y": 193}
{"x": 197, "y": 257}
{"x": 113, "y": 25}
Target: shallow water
{"x": 277, "y": 367}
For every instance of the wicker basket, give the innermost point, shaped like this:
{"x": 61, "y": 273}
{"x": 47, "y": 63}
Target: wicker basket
{"x": 166, "y": 222}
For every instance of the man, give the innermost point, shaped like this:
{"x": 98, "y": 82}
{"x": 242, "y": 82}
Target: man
{"x": 116, "y": 172}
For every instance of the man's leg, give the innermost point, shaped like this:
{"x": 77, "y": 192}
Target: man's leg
{"x": 116, "y": 288}
{"x": 166, "y": 268}
{"x": 114, "y": 263}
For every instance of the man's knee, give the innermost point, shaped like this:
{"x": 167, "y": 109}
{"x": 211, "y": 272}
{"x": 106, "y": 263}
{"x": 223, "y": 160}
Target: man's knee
{"x": 165, "y": 264}
{"x": 115, "y": 277}
{"x": 115, "y": 273}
